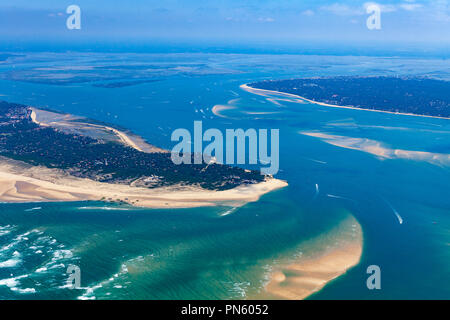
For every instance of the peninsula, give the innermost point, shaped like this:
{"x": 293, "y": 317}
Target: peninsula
{"x": 404, "y": 95}
{"x": 51, "y": 156}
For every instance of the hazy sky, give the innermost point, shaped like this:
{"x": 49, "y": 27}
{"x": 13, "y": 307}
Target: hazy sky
{"x": 288, "y": 21}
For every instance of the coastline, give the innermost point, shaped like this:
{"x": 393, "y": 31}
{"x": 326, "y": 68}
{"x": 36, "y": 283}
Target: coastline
{"x": 262, "y": 92}
{"x": 325, "y": 258}
{"x": 22, "y": 183}
{"x": 71, "y": 123}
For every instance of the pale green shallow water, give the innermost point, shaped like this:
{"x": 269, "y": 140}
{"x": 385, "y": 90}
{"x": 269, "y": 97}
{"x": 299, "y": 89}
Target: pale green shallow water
{"x": 198, "y": 253}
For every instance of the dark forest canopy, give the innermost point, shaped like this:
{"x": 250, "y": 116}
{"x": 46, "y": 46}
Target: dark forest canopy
{"x": 82, "y": 156}
{"x": 420, "y": 96}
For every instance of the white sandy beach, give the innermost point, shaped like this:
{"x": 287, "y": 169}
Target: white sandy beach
{"x": 23, "y": 183}
{"x": 264, "y": 92}
{"x": 71, "y": 123}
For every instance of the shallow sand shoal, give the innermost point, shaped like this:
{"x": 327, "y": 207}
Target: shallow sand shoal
{"x": 219, "y": 107}
{"x": 23, "y": 183}
{"x": 265, "y": 92}
{"x": 326, "y": 257}
{"x": 76, "y": 124}
{"x": 305, "y": 278}
{"x": 378, "y": 149}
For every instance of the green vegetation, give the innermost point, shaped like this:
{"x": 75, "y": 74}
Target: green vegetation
{"x": 85, "y": 157}
{"x": 421, "y": 96}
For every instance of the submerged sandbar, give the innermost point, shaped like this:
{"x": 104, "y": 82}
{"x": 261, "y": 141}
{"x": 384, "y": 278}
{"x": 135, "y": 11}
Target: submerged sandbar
{"x": 323, "y": 259}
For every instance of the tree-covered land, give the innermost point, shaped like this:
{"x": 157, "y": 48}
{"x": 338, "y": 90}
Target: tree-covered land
{"x": 420, "y": 96}
{"x": 82, "y": 156}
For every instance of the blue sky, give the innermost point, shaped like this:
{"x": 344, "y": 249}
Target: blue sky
{"x": 287, "y": 21}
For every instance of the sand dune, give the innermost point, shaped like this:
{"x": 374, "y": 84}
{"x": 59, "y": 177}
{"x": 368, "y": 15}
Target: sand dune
{"x": 23, "y": 183}
{"x": 20, "y": 182}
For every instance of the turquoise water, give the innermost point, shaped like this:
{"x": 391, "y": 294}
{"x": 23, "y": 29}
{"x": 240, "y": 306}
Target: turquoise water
{"x": 124, "y": 252}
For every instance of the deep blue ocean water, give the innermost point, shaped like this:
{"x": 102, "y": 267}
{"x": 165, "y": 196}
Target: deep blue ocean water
{"x": 125, "y": 252}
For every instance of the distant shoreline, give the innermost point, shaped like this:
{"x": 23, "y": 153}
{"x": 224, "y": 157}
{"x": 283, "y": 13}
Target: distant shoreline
{"x": 248, "y": 88}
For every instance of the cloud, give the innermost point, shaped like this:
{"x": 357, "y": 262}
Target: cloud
{"x": 308, "y": 13}
{"x": 441, "y": 10}
{"x": 410, "y": 6}
{"x": 384, "y": 8}
{"x": 343, "y": 10}
{"x": 348, "y": 11}
{"x": 267, "y": 19}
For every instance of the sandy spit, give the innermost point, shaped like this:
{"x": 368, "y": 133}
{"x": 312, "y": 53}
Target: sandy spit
{"x": 20, "y": 182}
